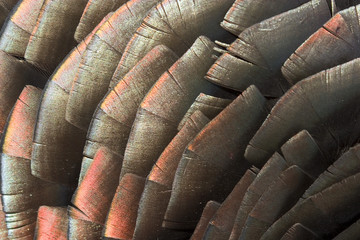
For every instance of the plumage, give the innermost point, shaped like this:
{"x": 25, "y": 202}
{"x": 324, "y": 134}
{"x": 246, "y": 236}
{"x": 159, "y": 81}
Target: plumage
{"x": 302, "y": 150}
{"x": 317, "y": 104}
{"x": 94, "y": 194}
{"x": 55, "y": 139}
{"x": 121, "y": 219}
{"x": 15, "y": 74}
{"x": 21, "y": 191}
{"x": 280, "y": 196}
{"x": 52, "y": 223}
{"x": 209, "y": 211}
{"x": 52, "y": 37}
{"x": 209, "y": 105}
{"x": 5, "y": 8}
{"x": 94, "y": 11}
{"x": 216, "y": 151}
{"x": 234, "y": 118}
{"x": 163, "y": 107}
{"x": 345, "y": 166}
{"x": 326, "y": 212}
{"x": 267, "y": 174}
{"x": 157, "y": 190}
{"x": 116, "y": 113}
{"x": 245, "y": 13}
{"x": 221, "y": 223}
{"x": 250, "y": 53}
{"x": 350, "y": 233}
{"x": 298, "y": 232}
{"x": 175, "y": 24}
{"x": 100, "y": 59}
{"x": 333, "y": 44}
{"x": 81, "y": 227}
{"x": 18, "y": 28}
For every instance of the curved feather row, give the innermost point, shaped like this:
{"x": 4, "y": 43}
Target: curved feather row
{"x": 147, "y": 129}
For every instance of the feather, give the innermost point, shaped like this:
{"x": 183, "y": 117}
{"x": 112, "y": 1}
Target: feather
{"x": 268, "y": 173}
{"x": 163, "y": 107}
{"x": 209, "y": 105}
{"x": 281, "y": 195}
{"x": 245, "y": 13}
{"x": 209, "y": 211}
{"x": 221, "y": 223}
{"x": 52, "y": 37}
{"x": 345, "y": 166}
{"x": 18, "y": 28}
{"x": 81, "y": 227}
{"x": 115, "y": 114}
{"x": 121, "y": 219}
{"x": 5, "y": 8}
{"x": 157, "y": 190}
{"x": 176, "y": 24}
{"x": 21, "y": 191}
{"x": 299, "y": 232}
{"x": 250, "y": 52}
{"x": 335, "y": 43}
{"x": 326, "y": 212}
{"x": 351, "y": 233}
{"x": 213, "y": 162}
{"x": 94, "y": 194}
{"x": 317, "y": 104}
{"x": 94, "y": 11}
{"x": 55, "y": 139}
{"x": 100, "y": 59}
{"x": 52, "y": 223}
{"x": 3, "y": 229}
{"x": 14, "y": 75}
{"x": 303, "y": 151}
